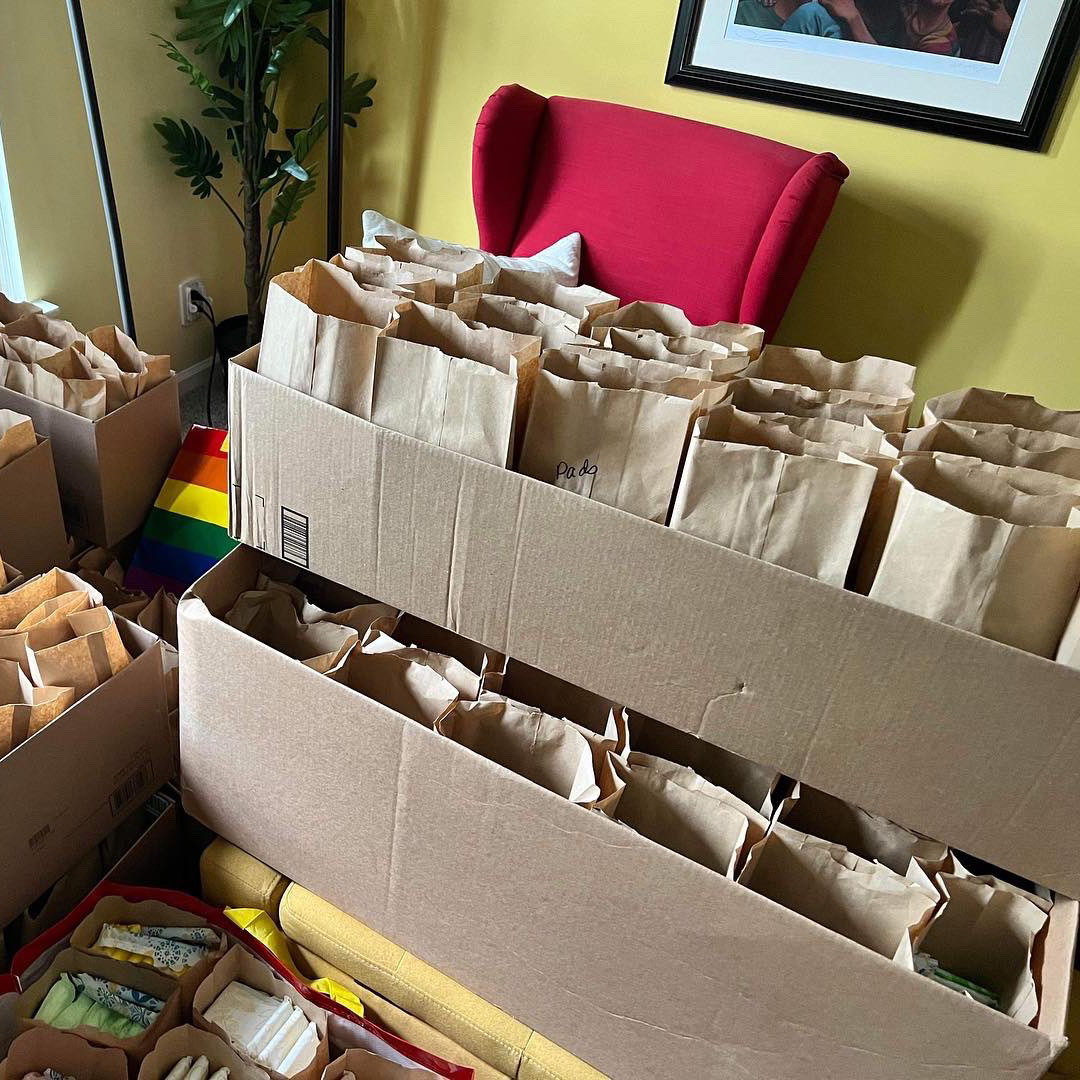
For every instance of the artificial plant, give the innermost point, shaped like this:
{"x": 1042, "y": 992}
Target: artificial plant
{"x": 251, "y": 43}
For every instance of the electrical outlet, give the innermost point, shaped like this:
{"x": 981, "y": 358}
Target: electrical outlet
{"x": 189, "y": 313}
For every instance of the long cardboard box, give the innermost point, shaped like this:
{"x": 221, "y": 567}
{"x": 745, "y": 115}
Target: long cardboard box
{"x": 68, "y": 786}
{"x": 630, "y": 956}
{"x": 32, "y": 533}
{"x": 972, "y": 742}
{"x": 109, "y": 470}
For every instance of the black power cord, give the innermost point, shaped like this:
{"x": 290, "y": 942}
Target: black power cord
{"x": 206, "y": 309}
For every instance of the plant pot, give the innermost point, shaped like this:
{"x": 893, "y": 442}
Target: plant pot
{"x": 231, "y": 337}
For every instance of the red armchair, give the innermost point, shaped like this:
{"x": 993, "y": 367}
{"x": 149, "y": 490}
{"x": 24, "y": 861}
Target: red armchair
{"x": 715, "y": 221}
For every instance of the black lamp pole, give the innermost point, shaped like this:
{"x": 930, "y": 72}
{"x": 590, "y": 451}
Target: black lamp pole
{"x": 335, "y": 150}
{"x": 101, "y": 158}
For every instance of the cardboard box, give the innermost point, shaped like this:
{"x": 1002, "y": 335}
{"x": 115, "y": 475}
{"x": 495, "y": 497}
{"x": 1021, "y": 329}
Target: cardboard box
{"x": 46, "y": 1048}
{"x": 65, "y": 788}
{"x": 32, "y": 532}
{"x": 109, "y": 470}
{"x": 191, "y": 1041}
{"x": 628, "y": 955}
{"x": 138, "y": 978}
{"x": 952, "y": 735}
{"x": 241, "y": 966}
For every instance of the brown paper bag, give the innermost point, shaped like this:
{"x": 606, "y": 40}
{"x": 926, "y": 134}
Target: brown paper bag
{"x": 808, "y": 367}
{"x": 554, "y": 328}
{"x": 26, "y": 351}
{"x": 320, "y": 333}
{"x": 750, "y": 781}
{"x": 983, "y": 547}
{"x": 56, "y": 332}
{"x": 370, "y": 272}
{"x": 1000, "y": 444}
{"x": 816, "y": 813}
{"x": 758, "y": 488}
{"x": 10, "y": 310}
{"x": 994, "y": 407}
{"x": 270, "y": 616}
{"x": 464, "y": 681}
{"x": 18, "y": 603}
{"x": 538, "y": 689}
{"x": 986, "y": 933}
{"x": 864, "y": 901}
{"x": 550, "y": 752}
{"x": 412, "y": 632}
{"x": 43, "y": 1048}
{"x": 465, "y": 388}
{"x": 851, "y": 407}
{"x": 412, "y": 689}
{"x": 360, "y": 1064}
{"x": 456, "y": 268}
{"x": 16, "y": 436}
{"x": 47, "y": 625}
{"x": 723, "y": 362}
{"x": 159, "y": 616}
{"x": 583, "y": 302}
{"x": 667, "y": 319}
{"x": 82, "y": 392}
{"x": 596, "y": 430}
{"x": 128, "y": 371}
{"x": 673, "y": 806}
{"x": 93, "y": 654}
{"x": 359, "y": 617}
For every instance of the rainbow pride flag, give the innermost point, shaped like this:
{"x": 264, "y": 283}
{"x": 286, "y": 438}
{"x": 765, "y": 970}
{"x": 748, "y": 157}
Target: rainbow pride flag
{"x": 187, "y": 530}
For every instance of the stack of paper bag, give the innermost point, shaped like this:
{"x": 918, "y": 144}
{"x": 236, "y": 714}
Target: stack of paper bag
{"x": 994, "y": 407}
{"x": 757, "y": 487}
{"x": 457, "y": 269}
{"x": 988, "y": 548}
{"x": 371, "y": 273}
{"x": 612, "y": 427}
{"x": 724, "y": 361}
{"x": 89, "y": 375}
{"x": 578, "y": 306}
{"x": 667, "y": 319}
{"x": 803, "y": 382}
{"x": 1000, "y": 444}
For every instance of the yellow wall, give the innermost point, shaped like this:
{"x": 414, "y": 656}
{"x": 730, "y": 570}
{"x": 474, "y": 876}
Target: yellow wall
{"x": 958, "y": 256}
{"x": 168, "y": 234}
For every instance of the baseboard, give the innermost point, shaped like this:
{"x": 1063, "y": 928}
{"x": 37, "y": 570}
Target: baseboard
{"x": 194, "y": 373}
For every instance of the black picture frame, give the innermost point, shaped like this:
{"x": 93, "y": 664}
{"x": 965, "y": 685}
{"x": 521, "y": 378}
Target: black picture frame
{"x": 1028, "y": 133}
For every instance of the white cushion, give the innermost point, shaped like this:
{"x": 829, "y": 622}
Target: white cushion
{"x": 562, "y": 259}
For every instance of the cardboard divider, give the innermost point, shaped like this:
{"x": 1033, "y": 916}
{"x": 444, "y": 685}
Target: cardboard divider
{"x": 871, "y": 704}
{"x": 191, "y": 1041}
{"x": 115, "y": 909}
{"x": 455, "y": 850}
{"x": 239, "y": 965}
{"x": 132, "y": 975}
{"x": 43, "y": 1048}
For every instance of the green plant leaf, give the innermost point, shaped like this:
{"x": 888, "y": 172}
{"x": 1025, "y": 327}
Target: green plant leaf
{"x": 282, "y": 53}
{"x": 234, "y": 10}
{"x": 192, "y": 152}
{"x": 289, "y": 201}
{"x": 294, "y": 168}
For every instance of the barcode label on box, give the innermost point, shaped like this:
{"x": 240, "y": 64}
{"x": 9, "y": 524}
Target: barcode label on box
{"x": 132, "y": 787}
{"x": 294, "y": 536}
{"x": 40, "y": 837}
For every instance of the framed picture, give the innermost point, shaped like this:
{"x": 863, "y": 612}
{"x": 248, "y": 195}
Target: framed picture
{"x": 983, "y": 69}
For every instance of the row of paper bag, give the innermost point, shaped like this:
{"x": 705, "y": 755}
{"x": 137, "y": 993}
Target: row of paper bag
{"x": 877, "y": 883}
{"x": 778, "y": 453}
{"x": 58, "y": 642}
{"x": 87, "y": 374}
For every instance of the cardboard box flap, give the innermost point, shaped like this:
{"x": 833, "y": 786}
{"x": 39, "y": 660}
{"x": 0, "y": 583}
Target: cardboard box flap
{"x": 965, "y": 740}
{"x": 456, "y": 852}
